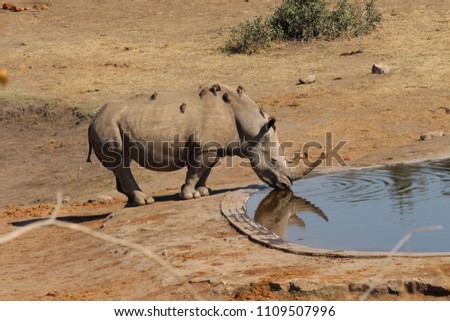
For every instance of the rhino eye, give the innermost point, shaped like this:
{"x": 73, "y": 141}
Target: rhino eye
{"x": 273, "y": 162}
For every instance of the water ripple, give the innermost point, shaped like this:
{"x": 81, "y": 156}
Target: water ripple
{"x": 402, "y": 182}
{"x": 365, "y": 207}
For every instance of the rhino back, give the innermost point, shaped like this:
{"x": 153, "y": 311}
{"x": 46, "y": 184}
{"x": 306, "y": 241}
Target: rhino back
{"x": 182, "y": 115}
{"x": 169, "y": 115}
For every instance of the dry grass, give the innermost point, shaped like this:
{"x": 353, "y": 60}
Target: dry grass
{"x": 414, "y": 40}
{"x": 166, "y": 57}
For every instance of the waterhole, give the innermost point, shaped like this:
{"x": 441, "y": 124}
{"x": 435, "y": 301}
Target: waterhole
{"x": 362, "y": 210}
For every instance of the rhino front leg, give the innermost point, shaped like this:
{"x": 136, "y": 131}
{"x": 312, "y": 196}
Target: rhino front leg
{"x": 188, "y": 190}
{"x": 126, "y": 184}
{"x": 196, "y": 177}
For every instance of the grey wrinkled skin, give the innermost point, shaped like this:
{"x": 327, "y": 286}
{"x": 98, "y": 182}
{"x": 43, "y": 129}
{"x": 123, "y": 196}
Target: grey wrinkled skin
{"x": 175, "y": 129}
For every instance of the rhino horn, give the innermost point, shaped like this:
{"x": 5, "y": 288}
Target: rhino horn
{"x": 301, "y": 167}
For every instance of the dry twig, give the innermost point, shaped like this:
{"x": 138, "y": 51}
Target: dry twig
{"x": 394, "y": 250}
{"x": 53, "y": 221}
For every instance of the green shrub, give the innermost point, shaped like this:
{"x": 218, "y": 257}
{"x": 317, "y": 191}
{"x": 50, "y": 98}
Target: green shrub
{"x": 249, "y": 37}
{"x": 303, "y": 20}
{"x": 299, "y": 19}
{"x": 351, "y": 19}
{"x": 372, "y": 16}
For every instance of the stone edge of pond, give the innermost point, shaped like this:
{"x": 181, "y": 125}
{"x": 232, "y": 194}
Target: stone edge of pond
{"x": 233, "y": 207}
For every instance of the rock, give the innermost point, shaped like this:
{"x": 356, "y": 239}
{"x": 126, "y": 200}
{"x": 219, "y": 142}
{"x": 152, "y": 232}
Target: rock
{"x": 8, "y": 6}
{"x": 13, "y": 7}
{"x": 380, "y": 69}
{"x": 425, "y": 288}
{"x": 119, "y": 252}
{"x": 40, "y": 7}
{"x": 358, "y": 287}
{"x": 20, "y": 8}
{"x": 66, "y": 199}
{"x": 308, "y": 80}
{"x": 304, "y": 286}
{"x": 432, "y": 134}
{"x": 276, "y": 287}
{"x": 395, "y": 287}
{"x": 223, "y": 289}
{"x": 446, "y": 109}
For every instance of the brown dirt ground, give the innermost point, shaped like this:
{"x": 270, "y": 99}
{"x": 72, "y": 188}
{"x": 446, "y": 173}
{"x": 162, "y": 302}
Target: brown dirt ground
{"x": 78, "y": 54}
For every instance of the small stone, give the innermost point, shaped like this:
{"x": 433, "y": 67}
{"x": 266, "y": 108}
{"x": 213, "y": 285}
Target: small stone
{"x": 380, "y": 69}
{"x": 20, "y": 8}
{"x": 446, "y": 109}
{"x": 66, "y": 199}
{"x": 275, "y": 287}
{"x": 119, "y": 252}
{"x": 432, "y": 134}
{"x": 8, "y": 6}
{"x": 395, "y": 287}
{"x": 304, "y": 286}
{"x": 308, "y": 80}
{"x": 358, "y": 287}
{"x": 40, "y": 7}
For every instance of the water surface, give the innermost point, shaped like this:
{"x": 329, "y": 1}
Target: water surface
{"x": 362, "y": 210}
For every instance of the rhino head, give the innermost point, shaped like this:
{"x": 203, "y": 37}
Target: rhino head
{"x": 259, "y": 141}
{"x": 267, "y": 159}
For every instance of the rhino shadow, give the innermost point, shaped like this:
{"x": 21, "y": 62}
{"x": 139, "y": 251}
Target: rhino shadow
{"x": 279, "y": 209}
{"x": 68, "y": 219}
{"x": 176, "y": 196}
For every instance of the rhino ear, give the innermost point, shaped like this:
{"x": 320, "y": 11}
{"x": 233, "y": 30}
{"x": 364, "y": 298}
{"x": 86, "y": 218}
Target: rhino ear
{"x": 240, "y": 90}
{"x": 265, "y": 128}
{"x": 271, "y": 123}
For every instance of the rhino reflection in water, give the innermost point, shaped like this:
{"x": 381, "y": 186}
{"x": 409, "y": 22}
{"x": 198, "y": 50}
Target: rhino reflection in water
{"x": 279, "y": 209}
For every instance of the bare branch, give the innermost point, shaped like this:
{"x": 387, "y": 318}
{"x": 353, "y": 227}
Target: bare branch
{"x": 394, "y": 250}
{"x": 53, "y": 221}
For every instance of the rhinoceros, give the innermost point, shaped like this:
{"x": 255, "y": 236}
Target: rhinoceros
{"x": 193, "y": 129}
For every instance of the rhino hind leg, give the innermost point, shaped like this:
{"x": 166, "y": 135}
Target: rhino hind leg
{"x": 120, "y": 190}
{"x": 140, "y": 198}
{"x": 126, "y": 184}
{"x": 191, "y": 189}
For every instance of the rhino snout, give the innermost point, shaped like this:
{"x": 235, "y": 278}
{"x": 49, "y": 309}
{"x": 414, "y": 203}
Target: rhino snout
{"x": 282, "y": 183}
{"x": 283, "y": 186}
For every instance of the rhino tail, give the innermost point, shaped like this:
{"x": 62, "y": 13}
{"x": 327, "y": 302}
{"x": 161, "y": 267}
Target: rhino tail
{"x": 88, "y": 160}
